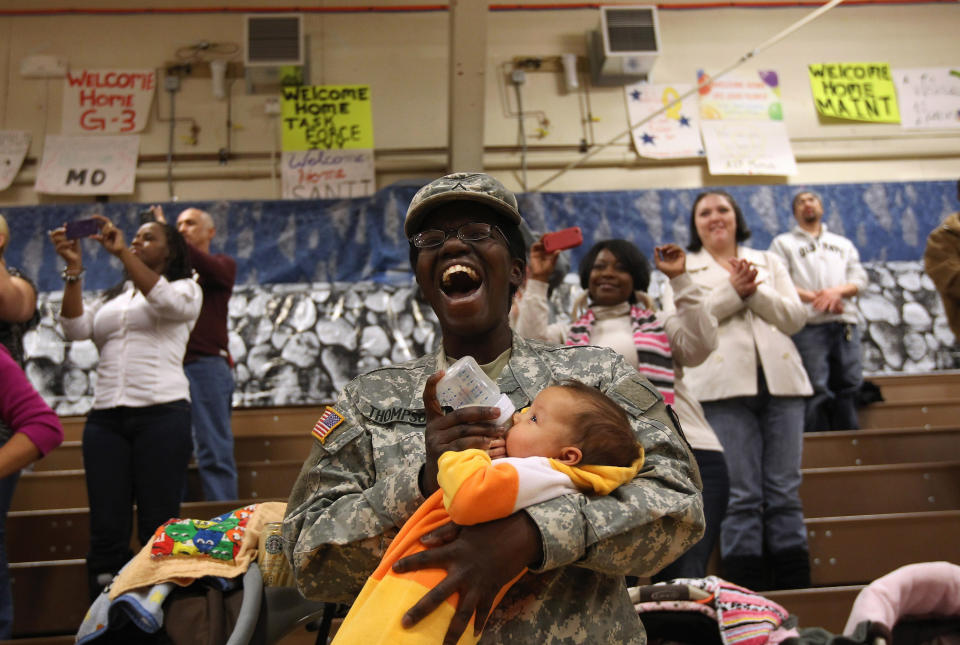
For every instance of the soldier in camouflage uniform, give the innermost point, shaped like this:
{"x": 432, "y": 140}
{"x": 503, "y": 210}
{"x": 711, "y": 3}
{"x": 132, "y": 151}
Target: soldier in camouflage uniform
{"x": 374, "y": 460}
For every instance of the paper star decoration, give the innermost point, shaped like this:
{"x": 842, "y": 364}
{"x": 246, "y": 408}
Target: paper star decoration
{"x": 647, "y": 138}
{"x": 684, "y": 122}
{"x": 635, "y": 95}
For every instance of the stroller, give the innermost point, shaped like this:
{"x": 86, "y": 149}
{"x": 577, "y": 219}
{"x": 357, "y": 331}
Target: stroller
{"x": 179, "y": 590}
{"x": 917, "y": 604}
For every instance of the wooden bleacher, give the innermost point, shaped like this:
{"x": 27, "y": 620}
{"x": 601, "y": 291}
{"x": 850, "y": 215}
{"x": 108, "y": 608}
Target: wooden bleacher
{"x": 874, "y": 499}
{"x": 881, "y": 497}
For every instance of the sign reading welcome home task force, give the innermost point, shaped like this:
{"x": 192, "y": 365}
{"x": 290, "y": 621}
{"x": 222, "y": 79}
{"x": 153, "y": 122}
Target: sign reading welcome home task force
{"x": 327, "y": 134}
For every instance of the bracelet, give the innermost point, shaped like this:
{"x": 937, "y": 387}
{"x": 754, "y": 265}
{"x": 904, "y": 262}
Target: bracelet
{"x": 72, "y": 277}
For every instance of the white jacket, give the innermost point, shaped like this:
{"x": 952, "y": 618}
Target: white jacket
{"x": 816, "y": 263}
{"x": 760, "y": 325}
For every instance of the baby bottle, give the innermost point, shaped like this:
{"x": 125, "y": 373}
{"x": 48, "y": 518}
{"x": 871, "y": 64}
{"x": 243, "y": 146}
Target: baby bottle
{"x": 465, "y": 384}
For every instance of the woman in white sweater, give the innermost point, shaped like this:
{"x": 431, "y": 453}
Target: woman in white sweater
{"x": 752, "y": 388}
{"x": 616, "y": 312}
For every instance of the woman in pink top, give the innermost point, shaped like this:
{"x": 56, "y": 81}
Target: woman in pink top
{"x": 29, "y": 429}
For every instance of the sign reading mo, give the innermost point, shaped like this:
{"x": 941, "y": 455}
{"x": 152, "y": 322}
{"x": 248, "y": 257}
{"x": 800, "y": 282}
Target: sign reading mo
{"x": 79, "y": 176}
{"x": 101, "y": 165}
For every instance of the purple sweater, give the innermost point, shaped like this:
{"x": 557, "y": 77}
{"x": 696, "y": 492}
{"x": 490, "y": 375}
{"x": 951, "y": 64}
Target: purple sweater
{"x": 22, "y": 409}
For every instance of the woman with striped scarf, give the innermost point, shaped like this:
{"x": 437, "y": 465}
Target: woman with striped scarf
{"x": 615, "y": 311}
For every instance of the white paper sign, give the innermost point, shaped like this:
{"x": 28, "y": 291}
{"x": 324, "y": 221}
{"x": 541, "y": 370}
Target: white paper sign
{"x": 928, "y": 97}
{"x": 13, "y": 150}
{"x": 107, "y": 101}
{"x": 327, "y": 174}
{"x": 675, "y": 134}
{"x": 748, "y": 148}
{"x": 88, "y": 165}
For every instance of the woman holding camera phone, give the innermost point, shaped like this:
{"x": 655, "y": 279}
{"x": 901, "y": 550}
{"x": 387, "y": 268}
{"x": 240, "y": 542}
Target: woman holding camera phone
{"x": 136, "y": 441}
{"x": 616, "y": 312}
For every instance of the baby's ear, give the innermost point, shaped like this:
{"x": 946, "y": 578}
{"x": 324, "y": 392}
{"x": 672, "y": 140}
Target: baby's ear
{"x": 570, "y": 455}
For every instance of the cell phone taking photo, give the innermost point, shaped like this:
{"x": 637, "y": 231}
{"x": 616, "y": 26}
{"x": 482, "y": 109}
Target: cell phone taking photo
{"x": 82, "y": 228}
{"x": 563, "y": 239}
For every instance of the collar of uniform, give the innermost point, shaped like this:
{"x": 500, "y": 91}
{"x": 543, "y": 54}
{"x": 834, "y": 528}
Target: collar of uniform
{"x": 522, "y": 372}
{"x": 525, "y": 372}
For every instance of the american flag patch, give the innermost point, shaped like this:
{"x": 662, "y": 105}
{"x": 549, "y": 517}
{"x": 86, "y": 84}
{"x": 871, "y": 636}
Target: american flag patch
{"x": 329, "y": 420}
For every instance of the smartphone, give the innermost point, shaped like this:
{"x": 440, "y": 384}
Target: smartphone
{"x": 147, "y": 216}
{"x": 82, "y": 228}
{"x": 564, "y": 239}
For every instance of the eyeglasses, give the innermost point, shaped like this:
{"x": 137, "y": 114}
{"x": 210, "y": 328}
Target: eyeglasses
{"x": 469, "y": 232}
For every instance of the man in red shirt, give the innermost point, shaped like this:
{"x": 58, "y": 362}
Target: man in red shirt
{"x": 207, "y": 362}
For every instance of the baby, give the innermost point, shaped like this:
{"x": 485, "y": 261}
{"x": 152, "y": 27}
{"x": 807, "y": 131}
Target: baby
{"x": 572, "y": 438}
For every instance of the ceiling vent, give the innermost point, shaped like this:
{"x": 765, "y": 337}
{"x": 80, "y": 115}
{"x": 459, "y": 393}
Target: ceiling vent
{"x": 626, "y": 46}
{"x": 273, "y": 39}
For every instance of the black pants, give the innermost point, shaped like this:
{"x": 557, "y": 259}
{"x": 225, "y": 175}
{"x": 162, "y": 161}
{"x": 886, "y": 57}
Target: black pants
{"x": 133, "y": 455}
{"x": 716, "y": 493}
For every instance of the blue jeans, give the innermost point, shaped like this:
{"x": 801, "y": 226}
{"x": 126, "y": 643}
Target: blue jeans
{"x": 132, "y": 455}
{"x": 831, "y": 356}
{"x": 211, "y": 393}
{"x": 7, "y": 486}
{"x": 762, "y": 438}
{"x": 716, "y": 493}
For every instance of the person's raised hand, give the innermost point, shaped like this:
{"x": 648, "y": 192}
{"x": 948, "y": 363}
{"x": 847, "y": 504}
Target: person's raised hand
{"x": 470, "y": 427}
{"x": 69, "y": 250}
{"x": 670, "y": 259}
{"x": 158, "y": 215}
{"x": 479, "y": 561}
{"x": 110, "y": 236}
{"x": 541, "y": 263}
{"x": 743, "y": 277}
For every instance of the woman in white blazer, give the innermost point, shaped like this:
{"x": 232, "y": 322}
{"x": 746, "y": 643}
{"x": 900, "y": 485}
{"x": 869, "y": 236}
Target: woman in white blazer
{"x": 752, "y": 388}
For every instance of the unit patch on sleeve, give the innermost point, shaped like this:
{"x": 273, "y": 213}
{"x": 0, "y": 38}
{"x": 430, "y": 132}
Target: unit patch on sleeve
{"x": 329, "y": 420}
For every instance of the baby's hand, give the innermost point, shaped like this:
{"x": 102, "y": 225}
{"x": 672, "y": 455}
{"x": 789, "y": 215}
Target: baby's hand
{"x": 497, "y": 448}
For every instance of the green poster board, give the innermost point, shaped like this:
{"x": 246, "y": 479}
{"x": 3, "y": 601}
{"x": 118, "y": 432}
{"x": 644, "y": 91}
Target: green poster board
{"x": 326, "y": 117}
{"x": 855, "y": 91}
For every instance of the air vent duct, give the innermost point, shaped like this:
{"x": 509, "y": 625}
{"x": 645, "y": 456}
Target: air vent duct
{"x": 626, "y": 46}
{"x": 273, "y": 39}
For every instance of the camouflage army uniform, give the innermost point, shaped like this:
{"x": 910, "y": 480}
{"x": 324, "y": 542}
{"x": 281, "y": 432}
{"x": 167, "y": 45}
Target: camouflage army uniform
{"x": 358, "y": 486}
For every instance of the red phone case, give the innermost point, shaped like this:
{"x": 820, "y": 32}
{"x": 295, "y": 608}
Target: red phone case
{"x": 563, "y": 239}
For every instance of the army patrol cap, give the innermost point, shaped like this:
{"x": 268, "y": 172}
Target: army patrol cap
{"x": 461, "y": 186}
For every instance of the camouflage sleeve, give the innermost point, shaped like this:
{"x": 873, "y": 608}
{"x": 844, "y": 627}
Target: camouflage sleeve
{"x": 342, "y": 512}
{"x": 643, "y": 525}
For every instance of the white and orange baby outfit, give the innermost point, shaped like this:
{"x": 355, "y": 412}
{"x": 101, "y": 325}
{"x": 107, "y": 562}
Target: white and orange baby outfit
{"x": 473, "y": 489}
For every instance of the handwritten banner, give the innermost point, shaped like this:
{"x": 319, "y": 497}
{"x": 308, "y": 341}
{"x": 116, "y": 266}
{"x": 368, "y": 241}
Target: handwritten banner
{"x": 928, "y": 97}
{"x": 326, "y": 174}
{"x": 741, "y": 95}
{"x": 675, "y": 134}
{"x": 88, "y": 165}
{"x": 107, "y": 101}
{"x": 748, "y": 148}
{"x": 13, "y": 150}
{"x": 855, "y": 91}
{"x": 327, "y": 117}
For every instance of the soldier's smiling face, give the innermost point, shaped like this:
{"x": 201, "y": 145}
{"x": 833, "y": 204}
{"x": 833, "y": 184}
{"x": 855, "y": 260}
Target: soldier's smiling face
{"x": 467, "y": 283}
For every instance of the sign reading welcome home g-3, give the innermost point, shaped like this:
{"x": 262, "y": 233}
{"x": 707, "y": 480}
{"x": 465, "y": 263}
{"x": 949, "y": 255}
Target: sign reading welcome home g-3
{"x": 327, "y": 141}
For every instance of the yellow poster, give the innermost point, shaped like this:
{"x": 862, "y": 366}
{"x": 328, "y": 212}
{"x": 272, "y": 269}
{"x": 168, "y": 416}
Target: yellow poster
{"x": 856, "y": 91}
{"x": 326, "y": 117}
